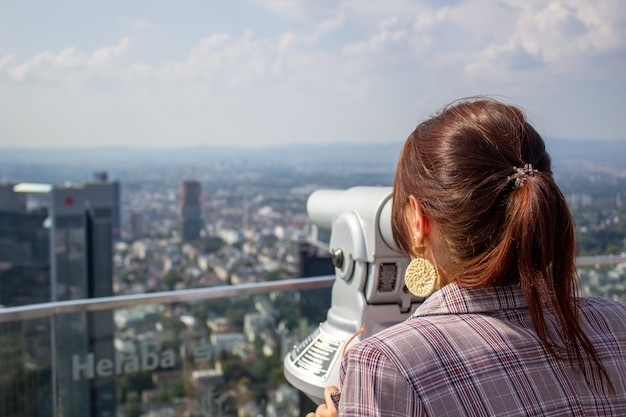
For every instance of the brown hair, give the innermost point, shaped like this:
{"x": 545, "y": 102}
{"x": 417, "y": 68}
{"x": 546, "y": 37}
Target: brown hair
{"x": 460, "y": 165}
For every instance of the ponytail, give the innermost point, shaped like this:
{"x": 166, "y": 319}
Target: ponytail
{"x": 540, "y": 224}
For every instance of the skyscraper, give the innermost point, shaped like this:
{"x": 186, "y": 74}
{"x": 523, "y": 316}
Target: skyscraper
{"x": 190, "y": 210}
{"x": 136, "y": 225}
{"x": 82, "y": 267}
{"x": 24, "y": 250}
{"x": 65, "y": 245}
{"x": 24, "y": 279}
{"x": 102, "y": 177}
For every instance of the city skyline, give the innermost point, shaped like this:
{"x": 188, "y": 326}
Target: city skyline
{"x": 190, "y": 354}
{"x": 269, "y": 72}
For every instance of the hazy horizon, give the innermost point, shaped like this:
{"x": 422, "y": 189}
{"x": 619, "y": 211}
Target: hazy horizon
{"x": 610, "y": 151}
{"x": 254, "y": 146}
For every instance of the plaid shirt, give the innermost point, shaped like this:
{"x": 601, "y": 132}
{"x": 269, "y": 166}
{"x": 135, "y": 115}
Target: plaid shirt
{"x": 474, "y": 352}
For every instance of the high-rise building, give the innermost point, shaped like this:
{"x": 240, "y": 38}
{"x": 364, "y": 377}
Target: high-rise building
{"x": 60, "y": 249}
{"x": 136, "y": 225}
{"x": 24, "y": 279}
{"x": 103, "y": 177}
{"x": 24, "y": 250}
{"x": 315, "y": 260}
{"x": 190, "y": 210}
{"x": 82, "y": 237}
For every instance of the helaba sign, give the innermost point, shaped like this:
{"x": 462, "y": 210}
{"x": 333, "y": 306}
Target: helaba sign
{"x": 149, "y": 357}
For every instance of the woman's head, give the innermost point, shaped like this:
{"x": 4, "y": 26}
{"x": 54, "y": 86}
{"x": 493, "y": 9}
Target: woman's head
{"x": 481, "y": 174}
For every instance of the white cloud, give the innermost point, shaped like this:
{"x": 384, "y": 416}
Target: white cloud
{"x": 606, "y": 23}
{"x": 388, "y": 34}
{"x": 284, "y": 45}
{"x": 42, "y": 64}
{"x": 502, "y": 37}
{"x": 372, "y": 12}
{"x": 135, "y": 72}
{"x": 558, "y": 34}
{"x": 67, "y": 64}
{"x": 551, "y": 33}
{"x": 326, "y": 27}
{"x": 221, "y": 58}
{"x": 343, "y": 62}
{"x": 104, "y": 56}
{"x": 203, "y": 58}
{"x": 427, "y": 19}
{"x": 287, "y": 8}
{"x": 6, "y": 61}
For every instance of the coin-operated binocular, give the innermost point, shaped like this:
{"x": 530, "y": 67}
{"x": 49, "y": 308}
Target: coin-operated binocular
{"x": 369, "y": 287}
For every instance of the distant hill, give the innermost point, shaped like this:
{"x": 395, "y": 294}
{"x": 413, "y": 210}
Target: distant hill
{"x": 610, "y": 152}
{"x": 311, "y": 153}
{"x": 376, "y": 155}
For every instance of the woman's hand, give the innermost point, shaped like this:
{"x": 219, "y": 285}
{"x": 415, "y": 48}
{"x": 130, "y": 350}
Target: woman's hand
{"x": 328, "y": 409}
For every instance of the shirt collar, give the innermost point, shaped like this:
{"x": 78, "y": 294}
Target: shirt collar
{"x": 452, "y": 299}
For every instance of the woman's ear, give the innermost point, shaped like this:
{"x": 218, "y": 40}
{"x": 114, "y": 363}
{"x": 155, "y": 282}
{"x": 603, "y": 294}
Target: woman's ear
{"x": 418, "y": 221}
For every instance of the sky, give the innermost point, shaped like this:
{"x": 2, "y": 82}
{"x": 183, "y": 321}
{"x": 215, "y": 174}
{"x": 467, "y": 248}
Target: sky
{"x": 157, "y": 73}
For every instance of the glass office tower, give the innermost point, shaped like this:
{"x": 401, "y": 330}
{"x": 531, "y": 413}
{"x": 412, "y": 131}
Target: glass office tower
{"x": 70, "y": 243}
{"x": 25, "y": 350}
{"x": 190, "y": 210}
{"x": 82, "y": 253}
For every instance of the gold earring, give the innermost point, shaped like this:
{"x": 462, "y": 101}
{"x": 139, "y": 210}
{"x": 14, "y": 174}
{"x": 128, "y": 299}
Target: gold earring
{"x": 420, "y": 276}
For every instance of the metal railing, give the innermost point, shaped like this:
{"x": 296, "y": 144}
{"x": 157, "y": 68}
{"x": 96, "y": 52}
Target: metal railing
{"x": 32, "y": 311}
{"x": 600, "y": 259}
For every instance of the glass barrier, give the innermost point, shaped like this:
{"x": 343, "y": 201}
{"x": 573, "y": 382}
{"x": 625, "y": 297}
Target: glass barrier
{"x": 207, "y": 352}
{"x": 603, "y": 276}
{"x": 204, "y": 352}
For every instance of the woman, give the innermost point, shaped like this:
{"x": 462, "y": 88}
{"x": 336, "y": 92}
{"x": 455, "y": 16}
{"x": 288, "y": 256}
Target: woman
{"x": 503, "y": 334}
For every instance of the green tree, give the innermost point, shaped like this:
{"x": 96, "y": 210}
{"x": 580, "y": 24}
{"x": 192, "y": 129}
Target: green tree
{"x": 177, "y": 389}
{"x": 209, "y": 245}
{"x": 171, "y": 278}
{"x": 134, "y": 410}
{"x": 137, "y": 381}
{"x": 276, "y": 275}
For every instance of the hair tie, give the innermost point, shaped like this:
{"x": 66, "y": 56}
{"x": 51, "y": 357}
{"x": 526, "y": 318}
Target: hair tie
{"x": 520, "y": 175}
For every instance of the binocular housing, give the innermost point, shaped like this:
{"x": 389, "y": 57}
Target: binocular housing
{"x": 369, "y": 287}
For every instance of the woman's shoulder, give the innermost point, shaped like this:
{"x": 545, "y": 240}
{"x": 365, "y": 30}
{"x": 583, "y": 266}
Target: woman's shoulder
{"x": 429, "y": 339}
{"x": 420, "y": 335}
{"x": 398, "y": 345}
{"x": 428, "y": 329}
{"x": 603, "y": 302}
{"x": 605, "y": 309}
